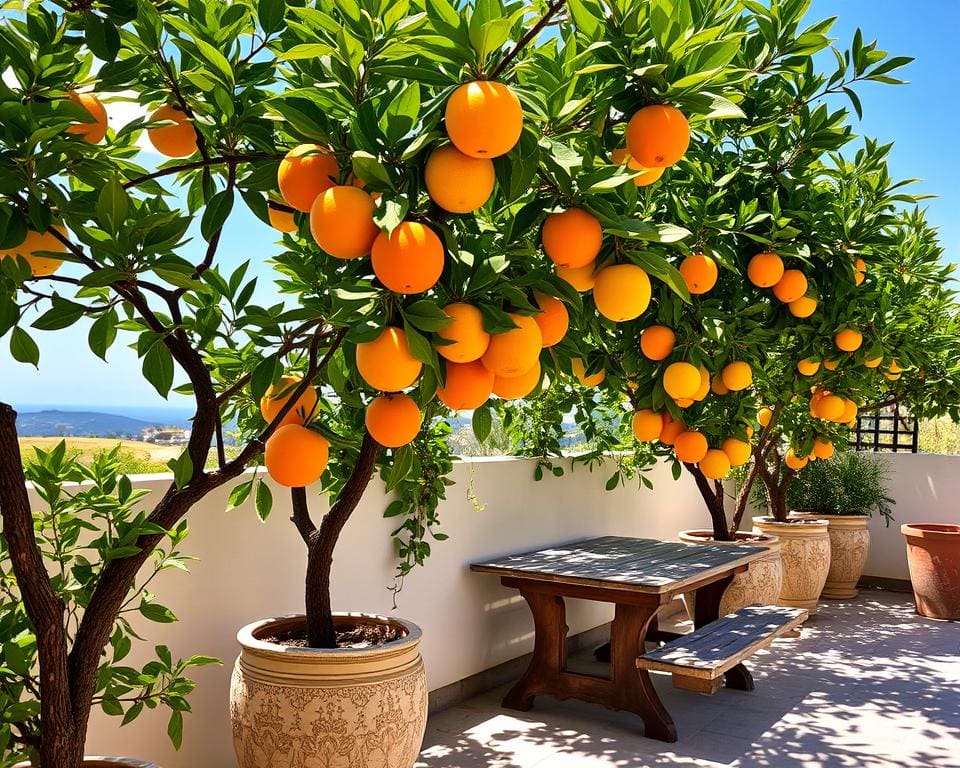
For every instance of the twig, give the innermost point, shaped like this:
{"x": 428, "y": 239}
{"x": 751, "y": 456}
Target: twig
{"x": 525, "y": 40}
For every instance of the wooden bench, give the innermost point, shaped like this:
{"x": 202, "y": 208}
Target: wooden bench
{"x": 700, "y": 659}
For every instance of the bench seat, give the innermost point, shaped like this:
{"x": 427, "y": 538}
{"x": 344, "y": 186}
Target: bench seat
{"x": 699, "y": 660}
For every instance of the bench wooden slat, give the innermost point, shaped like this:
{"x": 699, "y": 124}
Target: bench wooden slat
{"x": 712, "y": 650}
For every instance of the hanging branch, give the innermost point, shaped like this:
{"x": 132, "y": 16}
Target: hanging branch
{"x": 525, "y": 40}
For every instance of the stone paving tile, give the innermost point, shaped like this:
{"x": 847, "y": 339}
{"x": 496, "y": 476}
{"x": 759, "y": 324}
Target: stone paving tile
{"x": 867, "y": 685}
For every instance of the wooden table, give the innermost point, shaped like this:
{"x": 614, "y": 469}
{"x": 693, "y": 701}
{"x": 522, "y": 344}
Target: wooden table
{"x": 638, "y": 576}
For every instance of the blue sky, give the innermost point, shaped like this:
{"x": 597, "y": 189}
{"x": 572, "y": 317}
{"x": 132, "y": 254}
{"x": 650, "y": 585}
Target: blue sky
{"x": 921, "y": 117}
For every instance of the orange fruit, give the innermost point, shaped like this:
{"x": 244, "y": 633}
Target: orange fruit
{"x": 894, "y": 367}
{"x": 647, "y": 425}
{"x": 830, "y": 407}
{"x": 822, "y": 449}
{"x": 859, "y": 265}
{"x": 690, "y": 446}
{"x": 848, "y": 340}
{"x": 580, "y": 371}
{"x": 808, "y": 366}
{"x": 177, "y": 140}
{"x": 646, "y": 177}
{"x": 737, "y": 375}
{"x": 581, "y": 278}
{"x": 469, "y": 338}
{"x": 35, "y": 243}
{"x": 484, "y": 119}
{"x": 671, "y": 428}
{"x": 295, "y": 456}
{"x": 277, "y": 396}
{"x": 684, "y": 402}
{"x": 793, "y": 461}
{"x": 94, "y": 132}
{"x": 765, "y": 269}
{"x": 554, "y": 320}
{"x": 718, "y": 387}
{"x": 704, "y": 389}
{"x": 873, "y": 362}
{"x": 341, "y": 222}
{"x": 850, "y": 410}
{"x": 790, "y": 287}
{"x": 622, "y": 292}
{"x": 517, "y": 387}
{"x": 457, "y": 182}
{"x": 657, "y": 342}
{"x": 393, "y": 420}
{"x": 468, "y": 386}
{"x": 715, "y": 464}
{"x": 699, "y": 272}
{"x": 681, "y": 380}
{"x": 658, "y": 135}
{"x": 409, "y": 260}
{"x": 738, "y": 451}
{"x": 831, "y": 365}
{"x": 802, "y": 307}
{"x": 764, "y": 415}
{"x": 516, "y": 351}
{"x": 282, "y": 221}
{"x": 305, "y": 172}
{"x": 892, "y": 376}
{"x": 386, "y": 363}
{"x": 572, "y": 238}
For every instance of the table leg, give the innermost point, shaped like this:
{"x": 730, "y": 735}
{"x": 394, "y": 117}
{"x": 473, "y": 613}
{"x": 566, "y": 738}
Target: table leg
{"x": 654, "y": 635}
{"x": 549, "y": 649}
{"x": 707, "y": 610}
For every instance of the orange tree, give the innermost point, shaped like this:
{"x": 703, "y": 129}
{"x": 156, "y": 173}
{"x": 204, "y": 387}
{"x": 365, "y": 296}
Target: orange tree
{"x": 430, "y": 164}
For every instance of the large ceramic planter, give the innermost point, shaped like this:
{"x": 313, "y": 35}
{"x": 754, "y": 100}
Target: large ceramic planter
{"x": 759, "y": 584}
{"x": 107, "y": 762}
{"x": 306, "y": 707}
{"x": 933, "y": 555}
{"x": 849, "y": 547}
{"x": 805, "y": 555}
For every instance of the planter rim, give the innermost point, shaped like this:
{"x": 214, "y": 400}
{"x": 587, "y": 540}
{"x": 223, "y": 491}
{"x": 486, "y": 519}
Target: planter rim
{"x": 792, "y": 523}
{"x": 941, "y": 531}
{"x": 247, "y": 637}
{"x": 829, "y": 515}
{"x": 92, "y": 761}
{"x": 706, "y": 535}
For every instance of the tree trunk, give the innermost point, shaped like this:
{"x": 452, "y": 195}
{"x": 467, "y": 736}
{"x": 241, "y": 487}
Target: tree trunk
{"x": 322, "y": 542}
{"x": 713, "y": 498}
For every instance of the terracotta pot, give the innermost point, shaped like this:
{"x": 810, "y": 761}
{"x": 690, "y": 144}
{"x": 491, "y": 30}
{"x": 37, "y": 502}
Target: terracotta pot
{"x": 355, "y": 707}
{"x": 933, "y": 555}
{"x": 759, "y": 584}
{"x": 849, "y": 547}
{"x": 805, "y": 554}
{"x": 107, "y": 762}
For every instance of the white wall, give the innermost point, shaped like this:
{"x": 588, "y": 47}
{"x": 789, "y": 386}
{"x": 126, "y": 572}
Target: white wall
{"x": 248, "y": 570}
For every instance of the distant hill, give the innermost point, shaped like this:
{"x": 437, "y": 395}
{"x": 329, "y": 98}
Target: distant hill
{"x": 51, "y": 423}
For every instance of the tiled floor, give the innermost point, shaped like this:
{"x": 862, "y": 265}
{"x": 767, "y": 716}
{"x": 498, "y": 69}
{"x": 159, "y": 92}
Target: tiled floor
{"x": 868, "y": 685}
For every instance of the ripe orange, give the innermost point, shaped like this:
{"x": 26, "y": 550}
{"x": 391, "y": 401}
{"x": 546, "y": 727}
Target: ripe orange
{"x": 859, "y": 265}
{"x": 684, "y": 402}
{"x": 484, "y": 119}
{"x": 581, "y": 278}
{"x": 830, "y": 408}
{"x": 894, "y": 367}
{"x": 658, "y": 135}
{"x": 646, "y": 177}
{"x": 873, "y": 362}
{"x": 386, "y": 363}
{"x": 277, "y": 396}
{"x": 764, "y": 415}
{"x": 790, "y": 287}
{"x": 831, "y": 365}
{"x": 690, "y": 446}
{"x": 849, "y": 339}
{"x": 554, "y": 320}
{"x": 580, "y": 371}
{"x": 802, "y": 307}
{"x": 850, "y": 411}
{"x": 305, "y": 172}
{"x": 468, "y": 386}
{"x": 341, "y": 222}
{"x": 793, "y": 461}
{"x": 704, "y": 388}
{"x": 621, "y": 292}
{"x": 699, "y": 272}
{"x": 393, "y": 420}
{"x": 808, "y": 366}
{"x": 296, "y": 456}
{"x": 177, "y": 140}
{"x": 715, "y": 464}
{"x": 517, "y": 387}
{"x": 671, "y": 428}
{"x": 516, "y": 351}
{"x": 657, "y": 342}
{"x": 572, "y": 238}
{"x": 822, "y": 449}
{"x": 283, "y": 221}
{"x": 34, "y": 243}
{"x": 738, "y": 451}
{"x": 409, "y": 260}
{"x": 457, "y": 182}
{"x": 647, "y": 425}
{"x": 892, "y": 376}
{"x": 718, "y": 387}
{"x": 765, "y": 269}
{"x": 469, "y": 338}
{"x": 94, "y": 132}
{"x": 737, "y": 375}
{"x": 681, "y": 380}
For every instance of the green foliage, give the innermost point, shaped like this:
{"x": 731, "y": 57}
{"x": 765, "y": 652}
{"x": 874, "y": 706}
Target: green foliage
{"x": 850, "y": 483}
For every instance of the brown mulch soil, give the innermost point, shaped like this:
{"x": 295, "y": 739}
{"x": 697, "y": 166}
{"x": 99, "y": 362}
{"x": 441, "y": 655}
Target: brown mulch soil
{"x": 348, "y": 636}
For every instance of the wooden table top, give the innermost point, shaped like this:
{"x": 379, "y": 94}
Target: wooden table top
{"x": 643, "y": 565}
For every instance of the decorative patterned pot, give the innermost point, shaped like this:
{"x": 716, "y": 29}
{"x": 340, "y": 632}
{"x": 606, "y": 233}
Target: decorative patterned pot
{"x": 327, "y": 708}
{"x": 849, "y": 547}
{"x": 933, "y": 556}
{"x": 759, "y": 584}
{"x": 805, "y": 554}
{"x": 107, "y": 762}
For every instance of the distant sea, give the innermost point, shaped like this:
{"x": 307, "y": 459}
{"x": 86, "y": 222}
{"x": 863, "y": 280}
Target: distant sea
{"x": 168, "y": 416}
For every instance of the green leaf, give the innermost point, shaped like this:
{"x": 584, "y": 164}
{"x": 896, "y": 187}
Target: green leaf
{"x": 103, "y": 332}
{"x": 158, "y": 368}
{"x": 239, "y": 494}
{"x": 482, "y": 423}
{"x": 182, "y": 468}
{"x": 156, "y": 612}
{"x": 216, "y": 213}
{"x": 369, "y": 168}
{"x": 113, "y": 205}
{"x": 420, "y": 346}
{"x": 427, "y": 316}
{"x": 175, "y": 728}
{"x": 305, "y": 51}
{"x": 263, "y": 500}
{"x": 23, "y": 348}
{"x": 61, "y": 314}
{"x": 270, "y": 14}
{"x": 101, "y": 36}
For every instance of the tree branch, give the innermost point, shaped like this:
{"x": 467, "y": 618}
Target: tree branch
{"x": 301, "y": 514}
{"x": 525, "y": 40}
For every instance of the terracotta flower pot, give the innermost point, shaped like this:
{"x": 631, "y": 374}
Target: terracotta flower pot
{"x": 759, "y": 584}
{"x": 933, "y": 556}
{"x": 350, "y": 707}
{"x": 805, "y": 554}
{"x": 849, "y": 547}
{"x": 107, "y": 762}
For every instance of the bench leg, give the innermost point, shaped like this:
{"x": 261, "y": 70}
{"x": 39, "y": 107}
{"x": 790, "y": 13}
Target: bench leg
{"x": 549, "y": 649}
{"x": 739, "y": 678}
{"x": 708, "y": 609}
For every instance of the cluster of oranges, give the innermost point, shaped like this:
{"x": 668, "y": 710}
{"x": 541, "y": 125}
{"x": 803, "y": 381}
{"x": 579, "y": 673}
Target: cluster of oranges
{"x": 767, "y": 270}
